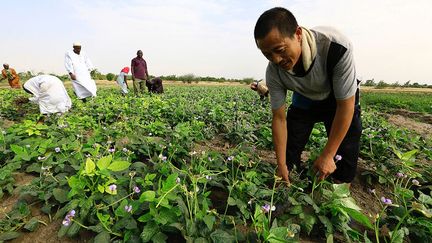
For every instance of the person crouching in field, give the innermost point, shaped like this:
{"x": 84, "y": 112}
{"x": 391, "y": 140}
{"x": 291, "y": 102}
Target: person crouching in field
{"x": 318, "y": 66}
{"x": 122, "y": 80}
{"x": 11, "y": 76}
{"x": 49, "y": 93}
{"x": 155, "y": 85}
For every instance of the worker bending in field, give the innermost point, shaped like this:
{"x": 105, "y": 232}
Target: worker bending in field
{"x": 155, "y": 85}
{"x": 49, "y": 93}
{"x": 318, "y": 66}
{"x": 11, "y": 76}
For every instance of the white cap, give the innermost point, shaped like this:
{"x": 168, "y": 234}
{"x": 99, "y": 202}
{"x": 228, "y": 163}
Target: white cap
{"x": 76, "y": 44}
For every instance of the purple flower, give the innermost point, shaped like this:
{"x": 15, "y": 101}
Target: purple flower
{"x": 128, "y": 208}
{"x": 57, "y": 150}
{"x": 266, "y": 208}
{"x": 230, "y": 158}
{"x": 111, "y": 150}
{"x": 386, "y": 201}
{"x": 113, "y": 187}
{"x": 338, "y": 157}
{"x": 415, "y": 182}
{"x": 68, "y": 218}
{"x": 162, "y": 157}
{"x": 399, "y": 175}
{"x": 136, "y": 189}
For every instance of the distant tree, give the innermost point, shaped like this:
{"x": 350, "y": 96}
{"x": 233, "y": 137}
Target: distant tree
{"x": 110, "y": 76}
{"x": 369, "y": 82}
{"x": 407, "y": 83}
{"x": 381, "y": 84}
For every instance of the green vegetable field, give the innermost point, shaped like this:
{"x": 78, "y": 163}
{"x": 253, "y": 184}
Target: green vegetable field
{"x": 195, "y": 164}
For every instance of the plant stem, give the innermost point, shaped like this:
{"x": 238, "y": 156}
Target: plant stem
{"x": 170, "y": 190}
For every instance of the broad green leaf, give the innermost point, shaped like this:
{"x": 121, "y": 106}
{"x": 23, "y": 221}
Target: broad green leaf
{"x": 9, "y": 235}
{"x": 119, "y": 165}
{"x": 159, "y": 238}
{"x": 327, "y": 223}
{"x": 278, "y": 235}
{"x": 329, "y": 238}
{"x": 408, "y": 155}
{"x": 18, "y": 150}
{"x": 220, "y": 236}
{"x": 101, "y": 188}
{"x": 104, "y": 162}
{"x": 349, "y": 202}
{"x": 341, "y": 190}
{"x": 422, "y": 209}
{"x": 32, "y": 224}
{"x": 102, "y": 237}
{"x": 60, "y": 195}
{"x": 231, "y": 201}
{"x": 359, "y": 217}
{"x": 309, "y": 222}
{"x": 425, "y": 199}
{"x": 150, "y": 229}
{"x": 209, "y": 220}
{"x": 147, "y": 196}
{"x": 90, "y": 167}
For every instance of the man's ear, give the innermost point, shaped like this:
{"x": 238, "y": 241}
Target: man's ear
{"x": 298, "y": 33}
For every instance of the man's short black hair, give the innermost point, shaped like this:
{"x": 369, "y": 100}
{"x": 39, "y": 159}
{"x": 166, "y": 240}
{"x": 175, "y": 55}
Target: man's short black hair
{"x": 279, "y": 18}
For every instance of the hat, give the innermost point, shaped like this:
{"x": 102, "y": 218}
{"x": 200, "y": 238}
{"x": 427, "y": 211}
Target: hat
{"x": 125, "y": 70}
{"x": 76, "y": 44}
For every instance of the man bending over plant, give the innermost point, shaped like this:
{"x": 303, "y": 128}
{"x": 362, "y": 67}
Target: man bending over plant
{"x": 318, "y": 66}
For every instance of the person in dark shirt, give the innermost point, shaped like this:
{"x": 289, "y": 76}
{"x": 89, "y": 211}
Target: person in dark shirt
{"x": 139, "y": 73}
{"x": 155, "y": 86}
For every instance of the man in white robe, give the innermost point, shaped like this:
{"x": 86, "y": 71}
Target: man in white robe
{"x": 49, "y": 93}
{"x": 79, "y": 66}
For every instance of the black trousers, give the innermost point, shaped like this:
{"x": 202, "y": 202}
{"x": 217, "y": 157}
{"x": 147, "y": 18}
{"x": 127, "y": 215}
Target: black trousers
{"x": 300, "y": 123}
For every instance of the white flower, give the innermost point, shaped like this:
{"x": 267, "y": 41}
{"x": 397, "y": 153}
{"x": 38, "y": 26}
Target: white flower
{"x": 57, "y": 150}
{"x": 178, "y": 180}
{"x": 41, "y": 157}
{"x": 28, "y": 145}
{"x": 125, "y": 150}
{"x": 208, "y": 177}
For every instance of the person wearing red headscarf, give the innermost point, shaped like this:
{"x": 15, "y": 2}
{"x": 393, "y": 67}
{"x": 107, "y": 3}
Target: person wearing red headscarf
{"x": 122, "y": 80}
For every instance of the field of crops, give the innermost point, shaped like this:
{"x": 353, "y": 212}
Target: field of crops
{"x": 195, "y": 165}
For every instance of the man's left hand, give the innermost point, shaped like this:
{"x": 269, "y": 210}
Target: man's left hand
{"x": 325, "y": 165}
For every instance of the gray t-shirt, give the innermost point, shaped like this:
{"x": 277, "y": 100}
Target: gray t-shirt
{"x": 315, "y": 85}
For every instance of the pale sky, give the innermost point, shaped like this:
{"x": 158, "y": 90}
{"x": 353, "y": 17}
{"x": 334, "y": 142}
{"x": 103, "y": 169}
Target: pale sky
{"x": 392, "y": 38}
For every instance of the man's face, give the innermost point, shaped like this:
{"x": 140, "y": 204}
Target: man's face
{"x": 139, "y": 54}
{"x": 77, "y": 49}
{"x": 282, "y": 50}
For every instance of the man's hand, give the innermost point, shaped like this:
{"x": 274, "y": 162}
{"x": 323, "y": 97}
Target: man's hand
{"x": 283, "y": 172}
{"x": 325, "y": 166}
{"x": 254, "y": 86}
{"x": 73, "y": 77}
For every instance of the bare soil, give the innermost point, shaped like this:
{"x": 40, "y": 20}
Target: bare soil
{"x": 417, "y": 122}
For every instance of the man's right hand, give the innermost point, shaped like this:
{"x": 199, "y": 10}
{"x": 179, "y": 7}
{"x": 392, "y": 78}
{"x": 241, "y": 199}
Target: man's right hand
{"x": 73, "y": 77}
{"x": 283, "y": 172}
{"x": 254, "y": 86}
